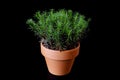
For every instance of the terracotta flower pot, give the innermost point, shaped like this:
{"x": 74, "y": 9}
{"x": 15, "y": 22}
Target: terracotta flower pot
{"x": 59, "y": 62}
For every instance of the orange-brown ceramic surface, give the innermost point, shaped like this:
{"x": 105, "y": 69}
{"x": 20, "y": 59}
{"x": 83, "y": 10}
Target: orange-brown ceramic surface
{"x": 59, "y": 62}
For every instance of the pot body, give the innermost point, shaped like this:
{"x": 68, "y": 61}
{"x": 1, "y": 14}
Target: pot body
{"x": 59, "y": 62}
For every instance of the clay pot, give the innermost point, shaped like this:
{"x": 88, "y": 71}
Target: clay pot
{"x": 59, "y": 62}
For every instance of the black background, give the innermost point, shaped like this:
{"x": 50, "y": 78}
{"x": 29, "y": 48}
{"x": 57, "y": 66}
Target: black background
{"x": 25, "y": 60}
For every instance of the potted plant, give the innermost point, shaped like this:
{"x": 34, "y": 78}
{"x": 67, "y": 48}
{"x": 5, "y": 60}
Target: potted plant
{"x": 60, "y": 33}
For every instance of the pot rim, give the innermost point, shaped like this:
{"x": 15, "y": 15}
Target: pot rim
{"x": 60, "y": 55}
